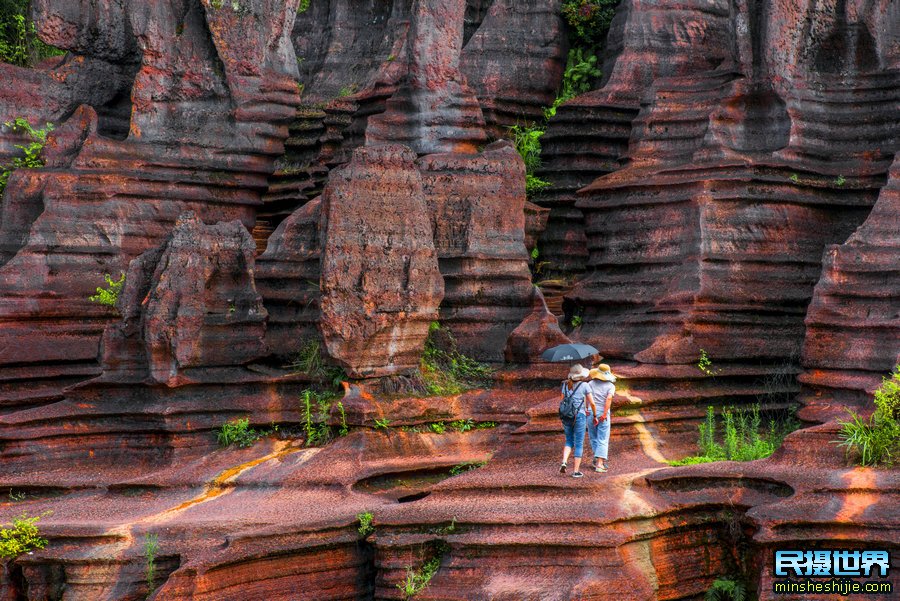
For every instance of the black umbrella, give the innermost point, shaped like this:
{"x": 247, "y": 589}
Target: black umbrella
{"x": 569, "y": 352}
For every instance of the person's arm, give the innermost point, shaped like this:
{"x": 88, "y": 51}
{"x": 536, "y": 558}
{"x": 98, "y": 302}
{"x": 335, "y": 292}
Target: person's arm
{"x": 607, "y": 404}
{"x": 590, "y": 400}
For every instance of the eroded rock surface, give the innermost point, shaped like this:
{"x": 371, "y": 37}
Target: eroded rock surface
{"x": 381, "y": 287}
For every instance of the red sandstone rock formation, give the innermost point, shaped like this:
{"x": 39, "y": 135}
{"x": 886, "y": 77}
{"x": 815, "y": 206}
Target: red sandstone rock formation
{"x": 703, "y": 240}
{"x": 210, "y": 99}
{"x": 380, "y": 284}
{"x": 288, "y": 278}
{"x": 189, "y": 304}
{"x": 853, "y": 322}
{"x": 433, "y": 110}
{"x": 537, "y": 332}
{"x": 478, "y": 218}
{"x": 514, "y": 61}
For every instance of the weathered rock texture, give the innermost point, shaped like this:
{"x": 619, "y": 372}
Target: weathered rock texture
{"x": 381, "y": 287}
{"x": 739, "y": 144}
{"x": 514, "y": 61}
{"x": 537, "y": 332}
{"x": 433, "y": 110}
{"x": 214, "y": 86}
{"x": 288, "y": 278}
{"x": 190, "y": 304}
{"x": 478, "y": 218}
{"x": 853, "y": 323}
{"x": 711, "y": 237}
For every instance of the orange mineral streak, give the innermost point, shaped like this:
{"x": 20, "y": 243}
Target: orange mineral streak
{"x": 862, "y": 492}
{"x": 220, "y": 484}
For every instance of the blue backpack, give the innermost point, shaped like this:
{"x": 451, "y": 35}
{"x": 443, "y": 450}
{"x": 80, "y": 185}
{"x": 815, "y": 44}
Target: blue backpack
{"x": 568, "y": 409}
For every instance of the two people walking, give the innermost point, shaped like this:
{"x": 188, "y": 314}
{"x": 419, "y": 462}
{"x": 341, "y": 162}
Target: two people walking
{"x": 586, "y": 400}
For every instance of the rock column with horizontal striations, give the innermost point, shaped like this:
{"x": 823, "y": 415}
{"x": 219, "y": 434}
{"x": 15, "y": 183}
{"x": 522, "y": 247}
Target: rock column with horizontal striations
{"x": 190, "y": 304}
{"x": 433, "y": 110}
{"x": 853, "y": 322}
{"x": 515, "y": 61}
{"x": 477, "y": 205}
{"x": 287, "y": 277}
{"x": 380, "y": 282}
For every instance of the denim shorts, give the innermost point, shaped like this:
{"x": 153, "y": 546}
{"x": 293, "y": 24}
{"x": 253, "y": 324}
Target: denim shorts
{"x": 575, "y": 433}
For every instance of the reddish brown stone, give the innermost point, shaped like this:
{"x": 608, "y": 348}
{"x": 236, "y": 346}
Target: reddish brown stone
{"x": 433, "y": 110}
{"x": 477, "y": 213}
{"x": 191, "y": 303}
{"x": 213, "y": 91}
{"x": 288, "y": 276}
{"x": 853, "y": 322}
{"x": 514, "y": 61}
{"x": 537, "y": 332}
{"x": 380, "y": 282}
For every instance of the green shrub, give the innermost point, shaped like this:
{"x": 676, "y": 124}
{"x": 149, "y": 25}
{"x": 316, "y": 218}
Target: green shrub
{"x": 437, "y": 427}
{"x": 527, "y": 140}
{"x": 19, "y": 43}
{"x": 303, "y": 6}
{"x": 417, "y": 580}
{"x": 365, "y": 524}
{"x": 109, "y": 296}
{"x": 22, "y": 536}
{"x": 238, "y": 432}
{"x": 887, "y": 397}
{"x": 151, "y": 548}
{"x": 382, "y": 424}
{"x": 316, "y": 408}
{"x": 742, "y": 438}
{"x": 589, "y": 19}
{"x": 727, "y": 589}
{"x": 876, "y": 442}
{"x": 311, "y": 360}
{"x": 446, "y": 371}
{"x": 462, "y": 425}
{"x": 580, "y": 74}
{"x": 33, "y": 151}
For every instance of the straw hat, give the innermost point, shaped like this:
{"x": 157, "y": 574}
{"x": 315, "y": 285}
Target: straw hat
{"x": 602, "y": 372}
{"x": 578, "y": 372}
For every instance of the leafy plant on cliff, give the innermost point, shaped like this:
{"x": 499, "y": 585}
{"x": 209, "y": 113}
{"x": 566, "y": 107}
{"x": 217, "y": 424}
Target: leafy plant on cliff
{"x": 151, "y": 548}
{"x": 589, "y": 20}
{"x": 365, "y": 524}
{"x": 22, "y": 536}
{"x": 527, "y": 140}
{"x": 727, "y": 589}
{"x": 109, "y": 296}
{"x": 445, "y": 370}
{"x": 876, "y": 442}
{"x": 581, "y": 71}
{"x": 19, "y": 43}
{"x": 316, "y": 408}
{"x": 417, "y": 580}
{"x": 32, "y": 152}
{"x": 705, "y": 364}
{"x": 238, "y": 432}
{"x": 303, "y": 6}
{"x": 310, "y": 360}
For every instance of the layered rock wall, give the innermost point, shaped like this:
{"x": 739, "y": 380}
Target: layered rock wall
{"x": 213, "y": 86}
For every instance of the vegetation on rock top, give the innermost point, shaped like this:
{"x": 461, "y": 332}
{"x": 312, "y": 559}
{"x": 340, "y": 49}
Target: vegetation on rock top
{"x": 876, "y": 441}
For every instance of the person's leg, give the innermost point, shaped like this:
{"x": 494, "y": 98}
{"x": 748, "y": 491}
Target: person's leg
{"x": 603, "y": 439}
{"x": 578, "y": 441}
{"x": 569, "y": 431}
{"x": 593, "y": 435}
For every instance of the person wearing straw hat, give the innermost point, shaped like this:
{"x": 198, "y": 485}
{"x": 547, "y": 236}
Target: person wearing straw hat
{"x": 602, "y": 389}
{"x": 576, "y": 391}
